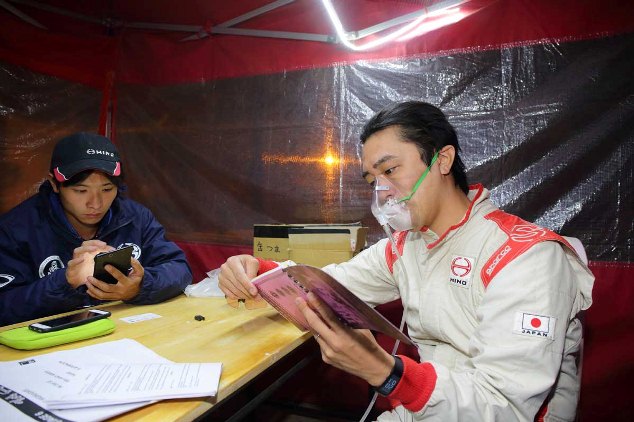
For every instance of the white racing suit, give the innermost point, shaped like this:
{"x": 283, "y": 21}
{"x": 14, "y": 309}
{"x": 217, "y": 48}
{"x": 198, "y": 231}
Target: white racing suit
{"x": 493, "y": 306}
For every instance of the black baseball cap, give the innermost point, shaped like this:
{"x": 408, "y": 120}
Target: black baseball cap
{"x": 84, "y": 151}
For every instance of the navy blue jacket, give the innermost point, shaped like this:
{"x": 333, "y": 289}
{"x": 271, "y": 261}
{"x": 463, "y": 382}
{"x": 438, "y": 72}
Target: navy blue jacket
{"x": 37, "y": 241}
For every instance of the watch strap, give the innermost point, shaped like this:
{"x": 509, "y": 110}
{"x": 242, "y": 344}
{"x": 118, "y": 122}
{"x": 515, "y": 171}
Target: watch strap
{"x": 393, "y": 379}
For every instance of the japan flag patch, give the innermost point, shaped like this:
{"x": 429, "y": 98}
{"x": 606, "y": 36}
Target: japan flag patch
{"x": 534, "y": 325}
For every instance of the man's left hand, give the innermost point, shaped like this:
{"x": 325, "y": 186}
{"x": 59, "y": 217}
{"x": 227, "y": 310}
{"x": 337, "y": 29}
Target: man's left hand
{"x": 127, "y": 287}
{"x": 354, "y": 351}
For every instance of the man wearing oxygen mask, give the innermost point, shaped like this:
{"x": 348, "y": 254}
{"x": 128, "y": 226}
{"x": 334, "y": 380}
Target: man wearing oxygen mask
{"x": 491, "y": 301}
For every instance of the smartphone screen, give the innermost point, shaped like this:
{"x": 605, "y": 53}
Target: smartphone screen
{"x": 120, "y": 259}
{"x": 68, "y": 321}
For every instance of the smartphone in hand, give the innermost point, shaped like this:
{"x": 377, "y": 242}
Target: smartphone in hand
{"x": 69, "y": 321}
{"x": 120, "y": 259}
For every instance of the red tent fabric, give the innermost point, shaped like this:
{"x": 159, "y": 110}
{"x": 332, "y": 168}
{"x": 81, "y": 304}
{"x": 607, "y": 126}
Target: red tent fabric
{"x": 539, "y": 91}
{"x": 86, "y": 52}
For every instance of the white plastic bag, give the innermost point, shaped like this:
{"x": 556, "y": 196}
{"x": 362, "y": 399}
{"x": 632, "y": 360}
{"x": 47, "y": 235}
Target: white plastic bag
{"x": 207, "y": 287}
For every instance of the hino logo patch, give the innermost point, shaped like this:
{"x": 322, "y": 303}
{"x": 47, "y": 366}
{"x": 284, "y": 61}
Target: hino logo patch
{"x": 91, "y": 151}
{"x": 460, "y": 271}
{"x": 534, "y": 325}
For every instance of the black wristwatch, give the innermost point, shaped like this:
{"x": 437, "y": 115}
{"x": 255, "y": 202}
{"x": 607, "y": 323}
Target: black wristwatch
{"x": 392, "y": 380}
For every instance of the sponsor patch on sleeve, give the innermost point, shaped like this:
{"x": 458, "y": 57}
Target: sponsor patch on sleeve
{"x": 136, "y": 250}
{"x": 6, "y": 279}
{"x": 50, "y": 265}
{"x": 533, "y": 325}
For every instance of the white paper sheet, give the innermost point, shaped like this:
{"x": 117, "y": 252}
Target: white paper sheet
{"x": 40, "y": 377}
{"x": 124, "y": 383}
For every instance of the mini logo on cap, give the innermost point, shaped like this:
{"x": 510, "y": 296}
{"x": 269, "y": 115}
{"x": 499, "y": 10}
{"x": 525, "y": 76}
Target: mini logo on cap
{"x": 91, "y": 151}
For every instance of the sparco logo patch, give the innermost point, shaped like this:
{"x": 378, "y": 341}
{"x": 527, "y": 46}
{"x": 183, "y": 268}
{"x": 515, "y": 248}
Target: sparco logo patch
{"x": 136, "y": 250}
{"x": 534, "y": 325}
{"x": 497, "y": 259}
{"x": 461, "y": 271}
{"x": 50, "y": 265}
{"x": 526, "y": 233}
{"x": 5, "y": 279}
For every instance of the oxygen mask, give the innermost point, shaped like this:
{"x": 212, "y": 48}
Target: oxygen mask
{"x": 390, "y": 206}
{"x": 387, "y": 209}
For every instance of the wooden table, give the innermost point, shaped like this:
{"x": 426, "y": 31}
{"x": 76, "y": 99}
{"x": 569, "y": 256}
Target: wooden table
{"x": 247, "y": 342}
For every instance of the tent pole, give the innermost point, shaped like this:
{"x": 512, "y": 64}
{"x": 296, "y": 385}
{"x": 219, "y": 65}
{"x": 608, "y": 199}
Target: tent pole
{"x": 21, "y": 15}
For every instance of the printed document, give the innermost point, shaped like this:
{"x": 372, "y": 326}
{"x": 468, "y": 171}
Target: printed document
{"x": 27, "y": 384}
{"x": 125, "y": 383}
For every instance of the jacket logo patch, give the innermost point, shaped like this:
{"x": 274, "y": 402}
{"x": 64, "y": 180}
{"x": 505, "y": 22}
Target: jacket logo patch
{"x": 534, "y": 325}
{"x": 497, "y": 259}
{"x": 5, "y": 279}
{"x": 521, "y": 236}
{"x": 91, "y": 151}
{"x": 526, "y": 233}
{"x": 460, "y": 271}
{"x": 50, "y": 265}
{"x": 136, "y": 250}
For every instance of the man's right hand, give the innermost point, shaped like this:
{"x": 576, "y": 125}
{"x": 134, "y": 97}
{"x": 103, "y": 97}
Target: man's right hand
{"x": 236, "y": 275}
{"x": 83, "y": 264}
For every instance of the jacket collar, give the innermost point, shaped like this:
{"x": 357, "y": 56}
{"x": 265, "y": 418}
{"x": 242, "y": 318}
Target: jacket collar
{"x": 477, "y": 194}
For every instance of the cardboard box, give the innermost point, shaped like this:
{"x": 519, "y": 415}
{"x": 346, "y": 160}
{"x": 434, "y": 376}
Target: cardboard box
{"x": 320, "y": 246}
{"x": 270, "y": 241}
{"x": 311, "y": 244}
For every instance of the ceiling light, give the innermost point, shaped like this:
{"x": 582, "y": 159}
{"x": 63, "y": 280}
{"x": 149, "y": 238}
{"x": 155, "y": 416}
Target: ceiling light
{"x": 443, "y": 13}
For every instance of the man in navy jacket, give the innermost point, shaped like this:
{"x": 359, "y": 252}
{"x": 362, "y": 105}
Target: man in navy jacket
{"x": 47, "y": 243}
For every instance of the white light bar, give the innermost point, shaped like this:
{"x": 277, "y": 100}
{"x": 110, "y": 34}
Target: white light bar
{"x": 416, "y": 27}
